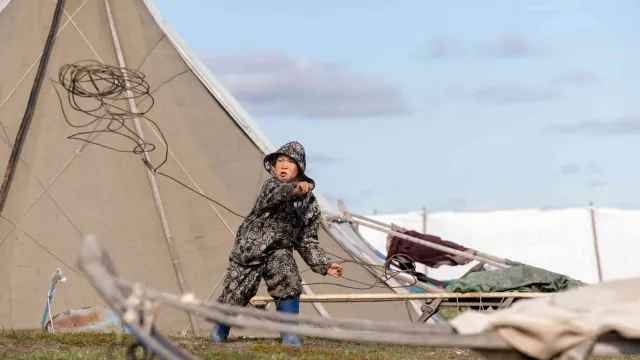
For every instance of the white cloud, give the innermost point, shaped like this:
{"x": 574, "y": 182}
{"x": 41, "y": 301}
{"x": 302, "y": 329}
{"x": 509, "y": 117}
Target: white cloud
{"x": 276, "y": 84}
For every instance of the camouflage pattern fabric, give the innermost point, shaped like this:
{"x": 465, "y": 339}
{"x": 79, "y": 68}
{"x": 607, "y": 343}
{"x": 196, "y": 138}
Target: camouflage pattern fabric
{"x": 280, "y": 272}
{"x": 279, "y": 222}
{"x": 522, "y": 278}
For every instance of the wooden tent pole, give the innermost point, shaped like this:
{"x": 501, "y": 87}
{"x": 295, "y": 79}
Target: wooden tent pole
{"x": 173, "y": 252}
{"x": 373, "y": 224}
{"x": 432, "y": 245}
{"x": 479, "y": 255}
{"x": 592, "y": 214}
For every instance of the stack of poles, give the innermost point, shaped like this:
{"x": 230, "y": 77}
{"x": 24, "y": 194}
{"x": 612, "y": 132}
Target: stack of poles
{"x": 386, "y": 228}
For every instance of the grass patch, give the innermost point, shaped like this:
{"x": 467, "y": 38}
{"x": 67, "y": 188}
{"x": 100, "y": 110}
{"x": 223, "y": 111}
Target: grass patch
{"x": 36, "y": 345}
{"x": 451, "y": 312}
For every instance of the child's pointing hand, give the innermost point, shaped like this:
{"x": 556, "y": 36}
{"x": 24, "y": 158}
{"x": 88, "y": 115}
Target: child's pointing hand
{"x": 303, "y": 188}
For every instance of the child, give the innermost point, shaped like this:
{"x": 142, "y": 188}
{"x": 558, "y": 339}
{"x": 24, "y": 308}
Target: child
{"x": 285, "y": 216}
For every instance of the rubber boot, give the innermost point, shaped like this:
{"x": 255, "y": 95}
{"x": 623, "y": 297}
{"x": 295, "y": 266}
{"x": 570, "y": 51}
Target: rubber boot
{"x": 291, "y": 306}
{"x": 219, "y": 333}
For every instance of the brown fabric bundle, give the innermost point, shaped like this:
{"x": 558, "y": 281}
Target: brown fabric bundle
{"x": 423, "y": 254}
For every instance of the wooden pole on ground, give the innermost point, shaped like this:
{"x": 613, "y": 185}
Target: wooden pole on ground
{"x": 404, "y": 296}
{"x": 594, "y": 231}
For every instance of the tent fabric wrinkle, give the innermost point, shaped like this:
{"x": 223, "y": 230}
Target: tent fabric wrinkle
{"x": 546, "y": 327}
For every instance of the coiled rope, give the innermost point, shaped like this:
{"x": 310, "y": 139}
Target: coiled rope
{"x": 95, "y": 89}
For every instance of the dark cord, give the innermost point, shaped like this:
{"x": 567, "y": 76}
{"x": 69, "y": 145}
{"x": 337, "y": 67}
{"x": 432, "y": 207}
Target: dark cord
{"x": 101, "y": 91}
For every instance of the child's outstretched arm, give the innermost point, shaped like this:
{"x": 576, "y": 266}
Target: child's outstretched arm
{"x": 275, "y": 192}
{"x": 308, "y": 245}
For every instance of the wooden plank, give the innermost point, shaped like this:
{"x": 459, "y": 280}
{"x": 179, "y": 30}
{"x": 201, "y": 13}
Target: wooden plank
{"x": 403, "y": 297}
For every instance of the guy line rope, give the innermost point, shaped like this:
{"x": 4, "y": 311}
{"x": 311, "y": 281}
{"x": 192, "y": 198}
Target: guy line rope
{"x": 81, "y": 80}
{"x": 107, "y": 85}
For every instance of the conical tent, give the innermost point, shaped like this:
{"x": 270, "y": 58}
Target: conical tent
{"x": 66, "y": 182}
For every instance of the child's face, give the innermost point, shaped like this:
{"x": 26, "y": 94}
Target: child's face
{"x": 286, "y": 169}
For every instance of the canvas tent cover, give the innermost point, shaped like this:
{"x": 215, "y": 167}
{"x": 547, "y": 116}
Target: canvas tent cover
{"x": 552, "y": 325}
{"x": 65, "y": 187}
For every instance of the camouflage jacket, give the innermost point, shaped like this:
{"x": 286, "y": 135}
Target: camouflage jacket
{"x": 273, "y": 224}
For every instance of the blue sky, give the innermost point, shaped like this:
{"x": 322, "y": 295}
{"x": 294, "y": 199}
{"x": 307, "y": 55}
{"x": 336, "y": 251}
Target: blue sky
{"x": 452, "y": 105}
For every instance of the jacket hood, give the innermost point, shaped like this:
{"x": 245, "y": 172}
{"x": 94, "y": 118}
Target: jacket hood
{"x": 295, "y": 151}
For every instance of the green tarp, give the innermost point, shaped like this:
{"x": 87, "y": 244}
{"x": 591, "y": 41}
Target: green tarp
{"x": 521, "y": 278}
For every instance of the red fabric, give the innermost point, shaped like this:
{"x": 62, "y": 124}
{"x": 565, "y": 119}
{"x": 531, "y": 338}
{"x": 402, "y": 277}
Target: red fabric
{"x": 424, "y": 254}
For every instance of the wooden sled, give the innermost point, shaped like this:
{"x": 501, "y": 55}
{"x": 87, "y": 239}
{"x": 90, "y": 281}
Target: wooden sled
{"x": 431, "y": 306}
{"x": 433, "y": 302}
